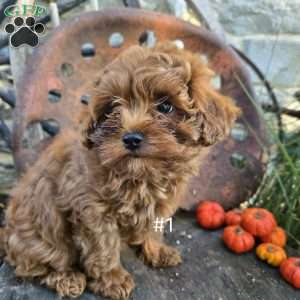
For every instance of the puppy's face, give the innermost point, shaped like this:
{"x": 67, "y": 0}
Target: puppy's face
{"x": 155, "y": 108}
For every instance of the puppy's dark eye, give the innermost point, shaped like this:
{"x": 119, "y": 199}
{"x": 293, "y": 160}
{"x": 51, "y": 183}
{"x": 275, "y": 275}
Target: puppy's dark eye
{"x": 106, "y": 111}
{"x": 165, "y": 107}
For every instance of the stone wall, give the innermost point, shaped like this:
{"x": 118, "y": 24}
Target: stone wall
{"x": 268, "y": 31}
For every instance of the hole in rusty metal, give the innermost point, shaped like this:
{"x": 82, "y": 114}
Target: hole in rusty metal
{"x": 239, "y": 132}
{"x": 179, "y": 44}
{"x": 88, "y": 50}
{"x": 204, "y": 58}
{"x": 147, "y": 38}
{"x": 85, "y": 99}
{"x": 33, "y": 135}
{"x": 66, "y": 69}
{"x": 238, "y": 160}
{"x": 116, "y": 40}
{"x": 38, "y": 131}
{"x": 54, "y": 96}
{"x": 50, "y": 126}
{"x": 216, "y": 82}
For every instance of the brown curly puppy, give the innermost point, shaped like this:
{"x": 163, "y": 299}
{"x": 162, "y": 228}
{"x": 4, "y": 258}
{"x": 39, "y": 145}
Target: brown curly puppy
{"x": 152, "y": 114}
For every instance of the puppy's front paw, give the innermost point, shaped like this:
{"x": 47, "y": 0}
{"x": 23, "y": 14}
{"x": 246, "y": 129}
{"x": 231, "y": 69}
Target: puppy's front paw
{"x": 160, "y": 255}
{"x": 67, "y": 284}
{"x": 116, "y": 284}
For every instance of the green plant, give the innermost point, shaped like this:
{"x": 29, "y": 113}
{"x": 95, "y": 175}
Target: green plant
{"x": 280, "y": 190}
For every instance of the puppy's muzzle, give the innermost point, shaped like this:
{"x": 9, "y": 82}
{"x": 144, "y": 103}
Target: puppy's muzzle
{"x": 133, "y": 140}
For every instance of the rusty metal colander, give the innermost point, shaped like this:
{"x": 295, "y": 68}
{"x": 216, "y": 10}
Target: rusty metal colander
{"x": 59, "y": 74}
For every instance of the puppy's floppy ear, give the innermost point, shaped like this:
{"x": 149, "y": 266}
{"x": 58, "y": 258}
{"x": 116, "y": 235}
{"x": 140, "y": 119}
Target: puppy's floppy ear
{"x": 217, "y": 118}
{"x": 216, "y": 113}
{"x": 87, "y": 127}
{"x": 88, "y": 117}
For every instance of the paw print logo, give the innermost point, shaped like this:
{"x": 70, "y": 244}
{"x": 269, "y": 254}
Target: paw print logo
{"x": 24, "y": 32}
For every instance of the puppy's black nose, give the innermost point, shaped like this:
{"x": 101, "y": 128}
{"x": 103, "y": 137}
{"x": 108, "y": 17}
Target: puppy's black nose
{"x": 132, "y": 140}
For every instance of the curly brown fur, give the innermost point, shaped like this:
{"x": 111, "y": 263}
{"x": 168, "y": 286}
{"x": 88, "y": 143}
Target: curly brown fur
{"x": 87, "y": 193}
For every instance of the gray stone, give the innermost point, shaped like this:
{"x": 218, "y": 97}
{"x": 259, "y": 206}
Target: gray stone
{"x": 155, "y": 5}
{"x": 209, "y": 14}
{"x": 110, "y": 3}
{"x": 278, "y": 59}
{"x": 209, "y": 271}
{"x": 242, "y": 17}
{"x": 285, "y": 97}
{"x": 178, "y": 8}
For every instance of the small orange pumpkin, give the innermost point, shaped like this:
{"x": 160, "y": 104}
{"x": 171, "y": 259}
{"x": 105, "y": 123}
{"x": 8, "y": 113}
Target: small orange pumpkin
{"x": 233, "y": 217}
{"x": 237, "y": 239}
{"x": 290, "y": 271}
{"x": 276, "y": 237}
{"x": 272, "y": 254}
{"x": 258, "y": 221}
{"x": 210, "y": 214}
